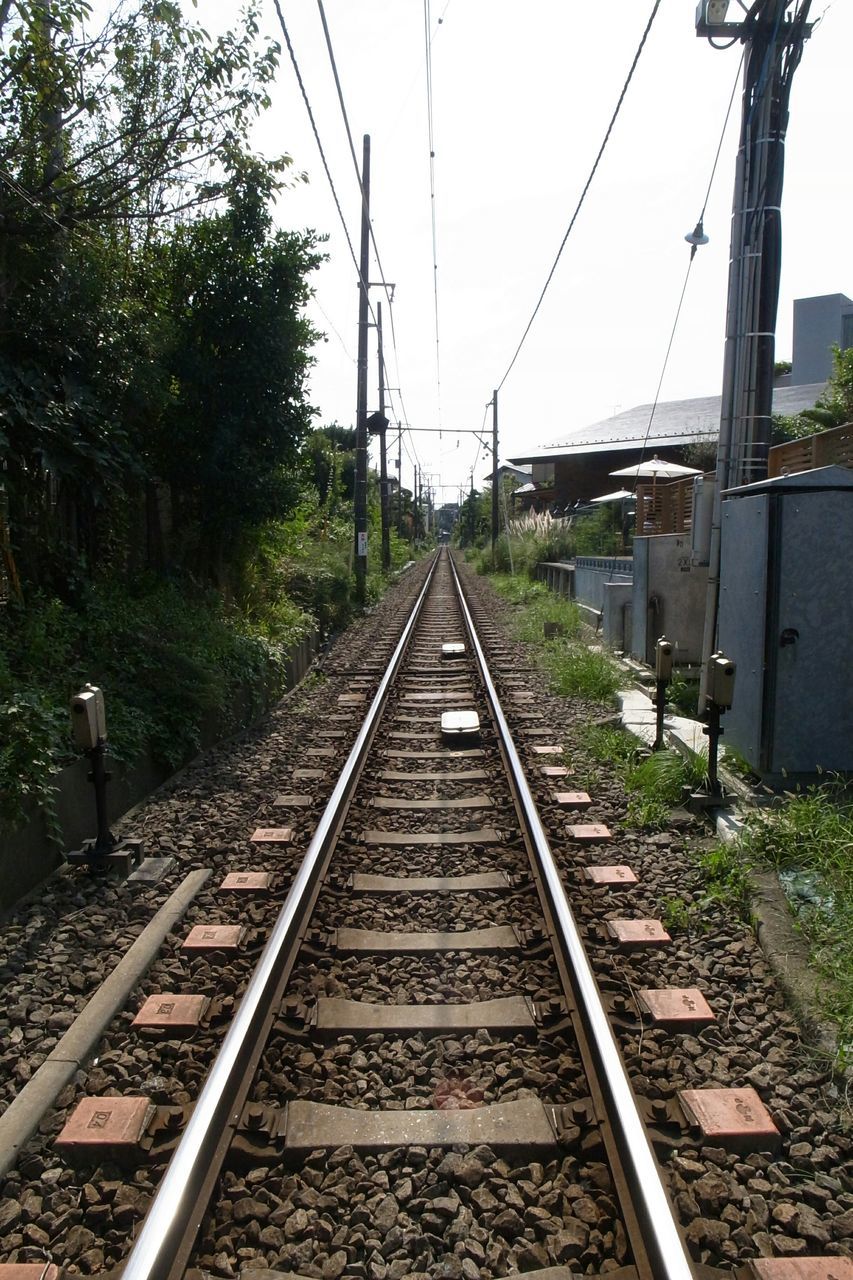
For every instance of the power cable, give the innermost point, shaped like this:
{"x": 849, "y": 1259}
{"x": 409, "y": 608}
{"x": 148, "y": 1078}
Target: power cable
{"x": 689, "y": 268}
{"x": 385, "y": 285}
{"x": 431, "y": 133}
{"x": 340, "y": 92}
{"x": 586, "y": 188}
{"x": 290, "y": 50}
{"x": 401, "y": 416}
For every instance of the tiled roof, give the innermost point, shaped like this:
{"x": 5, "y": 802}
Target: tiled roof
{"x": 675, "y": 422}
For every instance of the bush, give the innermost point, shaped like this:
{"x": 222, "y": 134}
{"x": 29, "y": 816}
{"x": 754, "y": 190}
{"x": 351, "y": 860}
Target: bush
{"x": 166, "y": 654}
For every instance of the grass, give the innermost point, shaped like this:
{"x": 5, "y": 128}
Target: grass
{"x": 537, "y": 605}
{"x": 574, "y": 668}
{"x": 655, "y": 782}
{"x": 811, "y": 834}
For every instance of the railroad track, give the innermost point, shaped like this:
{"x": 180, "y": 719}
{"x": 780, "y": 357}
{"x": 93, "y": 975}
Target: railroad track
{"x": 421, "y": 1076}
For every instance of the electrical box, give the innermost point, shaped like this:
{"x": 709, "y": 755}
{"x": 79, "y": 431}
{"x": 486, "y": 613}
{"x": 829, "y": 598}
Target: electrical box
{"x": 721, "y": 680}
{"x": 786, "y": 619}
{"x": 663, "y": 659}
{"x": 711, "y": 16}
{"x": 88, "y": 718}
{"x": 704, "y": 488}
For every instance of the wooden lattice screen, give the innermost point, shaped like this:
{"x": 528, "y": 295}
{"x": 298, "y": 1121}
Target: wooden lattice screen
{"x": 828, "y": 448}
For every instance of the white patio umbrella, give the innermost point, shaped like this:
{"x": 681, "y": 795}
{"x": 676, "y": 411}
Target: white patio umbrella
{"x": 616, "y": 496}
{"x": 658, "y": 469}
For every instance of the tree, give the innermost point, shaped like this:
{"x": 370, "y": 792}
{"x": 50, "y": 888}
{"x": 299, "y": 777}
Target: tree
{"x": 833, "y": 409}
{"x": 328, "y": 459}
{"x": 133, "y": 316}
{"x": 128, "y": 123}
{"x": 228, "y": 440}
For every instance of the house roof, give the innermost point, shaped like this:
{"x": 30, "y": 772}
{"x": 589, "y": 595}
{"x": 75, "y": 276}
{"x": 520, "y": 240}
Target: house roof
{"x": 509, "y": 468}
{"x": 675, "y": 422}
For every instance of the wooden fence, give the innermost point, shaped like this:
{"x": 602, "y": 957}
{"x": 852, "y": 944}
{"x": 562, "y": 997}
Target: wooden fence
{"x": 665, "y": 507}
{"x": 828, "y": 448}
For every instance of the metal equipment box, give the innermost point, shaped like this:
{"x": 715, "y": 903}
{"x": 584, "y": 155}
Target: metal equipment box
{"x": 786, "y": 619}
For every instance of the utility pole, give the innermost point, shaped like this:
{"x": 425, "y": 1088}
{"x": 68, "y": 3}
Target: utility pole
{"x": 383, "y": 458}
{"x": 400, "y": 482}
{"x": 494, "y": 472}
{"x": 774, "y": 45}
{"x": 360, "y": 502}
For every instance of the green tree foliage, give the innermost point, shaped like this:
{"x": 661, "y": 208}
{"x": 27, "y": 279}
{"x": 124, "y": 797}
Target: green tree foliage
{"x": 126, "y": 119}
{"x": 153, "y": 356}
{"x": 227, "y": 442}
{"x": 833, "y": 409}
{"x": 152, "y": 347}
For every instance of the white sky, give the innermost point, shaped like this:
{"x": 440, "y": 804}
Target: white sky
{"x": 522, "y": 95}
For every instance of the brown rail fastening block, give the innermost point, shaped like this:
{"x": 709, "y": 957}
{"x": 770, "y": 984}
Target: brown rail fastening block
{"x": 735, "y": 1118}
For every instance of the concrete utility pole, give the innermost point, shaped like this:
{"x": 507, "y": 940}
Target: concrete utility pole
{"x": 383, "y": 457}
{"x": 360, "y": 502}
{"x": 415, "y": 511}
{"x": 400, "y": 481}
{"x": 494, "y": 471}
{"x": 774, "y": 44}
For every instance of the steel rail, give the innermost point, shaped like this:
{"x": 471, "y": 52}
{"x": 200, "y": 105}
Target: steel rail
{"x": 175, "y": 1212}
{"x": 667, "y": 1254}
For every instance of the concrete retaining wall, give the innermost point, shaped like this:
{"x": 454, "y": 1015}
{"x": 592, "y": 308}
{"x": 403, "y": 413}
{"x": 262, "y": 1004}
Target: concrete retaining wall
{"x": 27, "y": 857}
{"x": 593, "y": 573}
{"x": 669, "y": 598}
{"x": 616, "y": 615}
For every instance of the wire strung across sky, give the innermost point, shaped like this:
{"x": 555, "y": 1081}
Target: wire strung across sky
{"x": 364, "y": 203}
{"x": 431, "y": 133}
{"x": 689, "y": 268}
{"x": 402, "y": 416}
{"x": 586, "y": 188}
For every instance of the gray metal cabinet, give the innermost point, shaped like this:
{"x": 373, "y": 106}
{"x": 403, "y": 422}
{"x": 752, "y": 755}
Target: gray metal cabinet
{"x": 786, "y": 618}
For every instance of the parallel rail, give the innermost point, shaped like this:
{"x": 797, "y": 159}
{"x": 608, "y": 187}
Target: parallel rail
{"x": 665, "y": 1250}
{"x": 163, "y": 1247}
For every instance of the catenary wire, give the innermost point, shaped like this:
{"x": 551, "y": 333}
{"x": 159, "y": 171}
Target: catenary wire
{"x": 308, "y": 108}
{"x": 431, "y": 134}
{"x": 364, "y": 201}
{"x": 334, "y": 66}
{"x": 402, "y": 416}
{"x": 333, "y": 62}
{"x": 687, "y": 273}
{"x": 586, "y": 188}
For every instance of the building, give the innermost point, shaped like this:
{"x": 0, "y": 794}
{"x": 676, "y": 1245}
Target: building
{"x": 819, "y": 325}
{"x": 577, "y": 467}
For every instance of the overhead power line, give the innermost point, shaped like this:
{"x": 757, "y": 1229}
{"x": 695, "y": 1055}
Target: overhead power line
{"x": 344, "y": 114}
{"x": 303, "y": 90}
{"x": 586, "y": 188}
{"x": 699, "y": 226}
{"x": 431, "y": 133}
{"x": 402, "y": 416}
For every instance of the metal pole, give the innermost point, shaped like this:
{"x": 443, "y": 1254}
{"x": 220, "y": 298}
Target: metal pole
{"x": 400, "y": 483}
{"x": 754, "y": 269}
{"x": 494, "y": 472}
{"x": 360, "y": 497}
{"x": 383, "y": 456}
